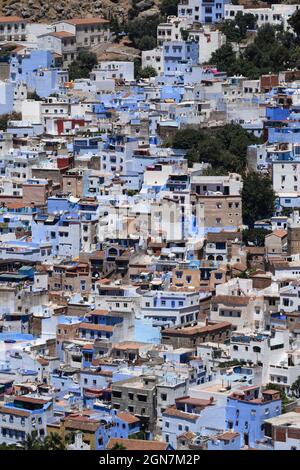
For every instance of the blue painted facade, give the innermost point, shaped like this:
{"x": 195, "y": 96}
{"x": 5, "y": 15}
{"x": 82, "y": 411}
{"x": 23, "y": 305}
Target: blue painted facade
{"x": 37, "y": 70}
{"x": 176, "y": 54}
{"x": 246, "y": 415}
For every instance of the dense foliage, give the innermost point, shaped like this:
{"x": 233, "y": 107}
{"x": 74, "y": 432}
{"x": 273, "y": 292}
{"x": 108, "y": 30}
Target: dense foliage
{"x": 83, "y": 65}
{"x": 142, "y": 32}
{"x": 225, "y": 148}
{"x": 235, "y": 30}
{"x": 147, "y": 72}
{"x": 256, "y": 236}
{"x": 4, "y": 118}
{"x": 271, "y": 51}
{"x": 169, "y": 7}
{"x": 258, "y": 198}
{"x": 52, "y": 442}
{"x": 140, "y": 72}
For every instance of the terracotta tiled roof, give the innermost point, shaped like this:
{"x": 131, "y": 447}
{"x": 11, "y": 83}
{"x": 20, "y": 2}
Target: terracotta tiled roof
{"x": 91, "y": 326}
{"x": 227, "y": 436}
{"x": 82, "y": 424}
{"x": 193, "y": 330}
{"x": 193, "y": 401}
{"x": 99, "y": 312}
{"x": 279, "y": 233}
{"x": 38, "y": 401}
{"x": 127, "y": 417}
{"x": 86, "y": 21}
{"x": 14, "y": 412}
{"x": 188, "y": 435}
{"x": 11, "y": 19}
{"x": 61, "y": 34}
{"x": 174, "y": 413}
{"x": 42, "y": 361}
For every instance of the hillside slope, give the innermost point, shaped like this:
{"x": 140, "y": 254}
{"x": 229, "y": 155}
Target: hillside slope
{"x": 44, "y": 10}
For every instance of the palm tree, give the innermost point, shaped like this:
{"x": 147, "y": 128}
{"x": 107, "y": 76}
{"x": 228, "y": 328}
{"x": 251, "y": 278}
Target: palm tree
{"x": 31, "y": 442}
{"x": 54, "y": 442}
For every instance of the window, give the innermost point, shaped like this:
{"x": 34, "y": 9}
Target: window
{"x": 142, "y": 397}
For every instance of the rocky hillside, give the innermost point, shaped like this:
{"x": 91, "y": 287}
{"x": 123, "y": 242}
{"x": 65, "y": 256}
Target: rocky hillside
{"x": 45, "y": 10}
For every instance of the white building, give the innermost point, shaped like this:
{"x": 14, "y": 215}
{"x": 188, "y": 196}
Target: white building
{"x": 6, "y": 97}
{"x": 277, "y": 14}
{"x": 154, "y": 59}
{"x": 118, "y": 70}
{"x": 209, "y": 41}
{"x": 282, "y": 432}
{"x": 286, "y": 177}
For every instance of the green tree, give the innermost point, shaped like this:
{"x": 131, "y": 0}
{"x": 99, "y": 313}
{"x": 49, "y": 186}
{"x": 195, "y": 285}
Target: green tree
{"x": 83, "y": 65}
{"x": 169, "y": 7}
{"x": 236, "y": 30}
{"x": 258, "y": 198}
{"x": 225, "y": 148}
{"x": 255, "y": 236}
{"x": 142, "y": 31}
{"x": 54, "y": 442}
{"x": 295, "y": 388}
{"x": 32, "y": 442}
{"x": 147, "y": 72}
{"x": 4, "y": 118}
{"x": 272, "y": 50}
{"x": 187, "y": 138}
{"x": 224, "y": 59}
{"x": 294, "y": 22}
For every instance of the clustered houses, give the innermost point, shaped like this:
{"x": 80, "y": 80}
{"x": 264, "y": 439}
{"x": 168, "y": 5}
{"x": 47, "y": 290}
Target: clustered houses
{"x": 133, "y": 310}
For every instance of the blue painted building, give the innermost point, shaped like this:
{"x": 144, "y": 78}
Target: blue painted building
{"x": 37, "y": 70}
{"x": 246, "y": 411}
{"x": 177, "y": 54}
{"x": 203, "y": 11}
